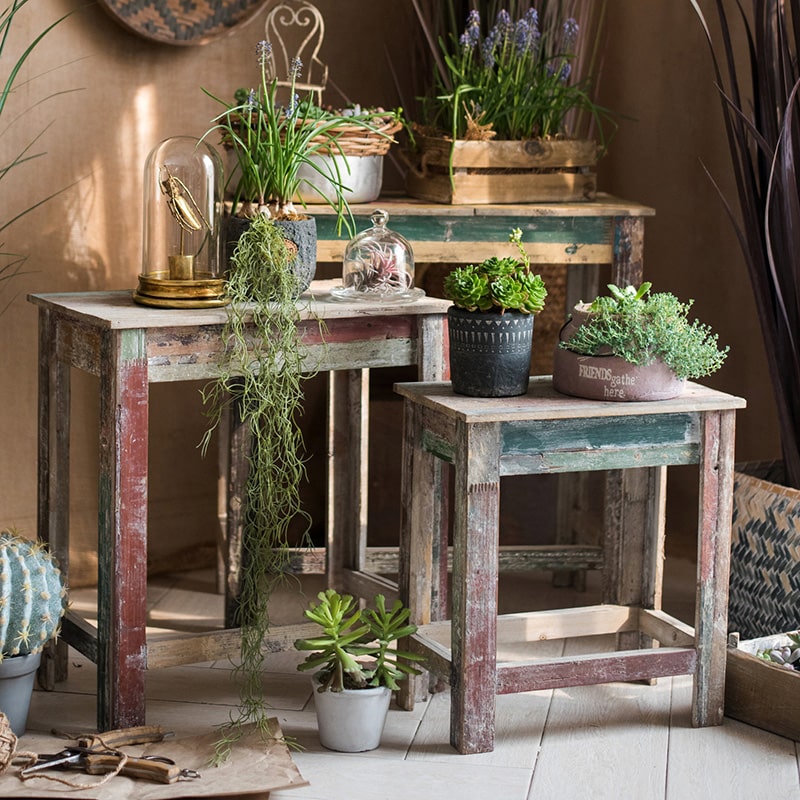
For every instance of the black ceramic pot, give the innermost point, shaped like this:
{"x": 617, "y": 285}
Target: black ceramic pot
{"x": 301, "y": 233}
{"x": 490, "y": 353}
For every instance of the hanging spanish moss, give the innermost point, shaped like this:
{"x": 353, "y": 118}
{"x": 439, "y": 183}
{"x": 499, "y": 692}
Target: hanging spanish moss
{"x": 261, "y": 375}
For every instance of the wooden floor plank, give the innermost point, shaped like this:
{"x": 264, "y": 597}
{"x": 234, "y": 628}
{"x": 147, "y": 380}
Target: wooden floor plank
{"x": 607, "y": 741}
{"x": 732, "y": 760}
{"x": 519, "y": 724}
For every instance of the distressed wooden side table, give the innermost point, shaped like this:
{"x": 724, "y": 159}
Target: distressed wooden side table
{"x": 129, "y": 347}
{"x": 545, "y": 432}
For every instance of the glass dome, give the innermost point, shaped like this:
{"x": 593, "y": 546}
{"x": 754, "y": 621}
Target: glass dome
{"x": 378, "y": 265}
{"x": 181, "y": 241}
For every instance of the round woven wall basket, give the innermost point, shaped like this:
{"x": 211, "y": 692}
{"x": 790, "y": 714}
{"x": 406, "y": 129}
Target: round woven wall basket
{"x": 180, "y": 22}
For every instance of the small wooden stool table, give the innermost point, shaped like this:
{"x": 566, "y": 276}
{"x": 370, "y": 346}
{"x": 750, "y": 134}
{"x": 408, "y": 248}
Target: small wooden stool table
{"x": 545, "y": 432}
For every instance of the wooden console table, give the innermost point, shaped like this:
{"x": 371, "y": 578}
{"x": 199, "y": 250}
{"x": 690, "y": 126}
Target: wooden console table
{"x": 546, "y": 432}
{"x": 129, "y": 347}
{"x": 607, "y": 230}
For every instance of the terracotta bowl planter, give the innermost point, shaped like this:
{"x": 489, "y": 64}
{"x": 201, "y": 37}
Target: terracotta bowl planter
{"x": 612, "y": 378}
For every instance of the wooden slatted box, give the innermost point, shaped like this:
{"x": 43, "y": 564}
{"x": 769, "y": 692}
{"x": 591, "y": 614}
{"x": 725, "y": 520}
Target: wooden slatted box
{"x": 529, "y": 171}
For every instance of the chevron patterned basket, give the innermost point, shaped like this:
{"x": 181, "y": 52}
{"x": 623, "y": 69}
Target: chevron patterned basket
{"x": 765, "y": 553}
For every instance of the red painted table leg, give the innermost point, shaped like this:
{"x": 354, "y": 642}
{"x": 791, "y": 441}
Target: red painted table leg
{"x": 122, "y": 533}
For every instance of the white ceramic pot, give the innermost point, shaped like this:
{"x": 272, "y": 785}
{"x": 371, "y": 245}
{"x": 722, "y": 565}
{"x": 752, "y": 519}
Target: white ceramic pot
{"x": 362, "y": 177}
{"x": 351, "y": 721}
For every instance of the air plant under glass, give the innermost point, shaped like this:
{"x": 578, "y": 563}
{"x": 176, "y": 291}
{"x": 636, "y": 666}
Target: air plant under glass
{"x": 180, "y": 249}
{"x": 378, "y": 265}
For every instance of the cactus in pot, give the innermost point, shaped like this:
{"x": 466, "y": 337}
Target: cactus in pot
{"x": 32, "y": 603}
{"x": 32, "y": 596}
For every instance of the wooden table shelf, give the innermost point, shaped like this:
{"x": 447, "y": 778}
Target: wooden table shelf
{"x": 129, "y": 347}
{"x": 545, "y": 432}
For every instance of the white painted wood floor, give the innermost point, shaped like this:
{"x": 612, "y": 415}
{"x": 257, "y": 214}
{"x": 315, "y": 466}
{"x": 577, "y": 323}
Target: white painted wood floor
{"x": 617, "y": 741}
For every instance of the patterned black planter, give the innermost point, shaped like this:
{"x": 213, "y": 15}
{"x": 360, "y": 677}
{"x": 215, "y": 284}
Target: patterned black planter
{"x": 490, "y": 353}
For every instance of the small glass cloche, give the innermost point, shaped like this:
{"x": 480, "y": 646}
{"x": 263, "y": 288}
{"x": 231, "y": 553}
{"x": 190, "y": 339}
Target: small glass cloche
{"x": 378, "y": 265}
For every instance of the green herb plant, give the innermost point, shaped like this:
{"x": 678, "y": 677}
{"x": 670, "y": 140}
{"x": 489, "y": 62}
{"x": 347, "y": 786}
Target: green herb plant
{"x": 261, "y": 374}
{"x": 355, "y": 649}
{"x": 641, "y": 327}
{"x": 498, "y": 284}
{"x": 272, "y": 140}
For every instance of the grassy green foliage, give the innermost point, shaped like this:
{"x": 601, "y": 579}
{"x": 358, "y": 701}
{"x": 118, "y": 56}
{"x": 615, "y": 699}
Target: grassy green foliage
{"x": 640, "y": 328}
{"x": 11, "y": 264}
{"x": 349, "y": 636}
{"x": 272, "y": 140}
{"x": 261, "y": 375}
{"x": 498, "y": 284}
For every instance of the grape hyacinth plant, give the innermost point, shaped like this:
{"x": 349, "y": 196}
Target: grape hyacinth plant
{"x": 511, "y": 83}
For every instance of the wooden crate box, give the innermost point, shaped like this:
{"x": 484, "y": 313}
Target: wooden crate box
{"x": 529, "y": 171}
{"x": 759, "y": 692}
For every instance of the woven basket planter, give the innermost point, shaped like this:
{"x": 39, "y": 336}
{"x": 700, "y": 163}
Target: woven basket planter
{"x": 353, "y": 140}
{"x": 765, "y": 554}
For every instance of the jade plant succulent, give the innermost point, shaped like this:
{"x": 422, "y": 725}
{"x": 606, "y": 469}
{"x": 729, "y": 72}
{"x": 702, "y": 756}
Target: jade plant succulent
{"x": 355, "y": 648}
{"x": 32, "y": 596}
{"x": 498, "y": 284}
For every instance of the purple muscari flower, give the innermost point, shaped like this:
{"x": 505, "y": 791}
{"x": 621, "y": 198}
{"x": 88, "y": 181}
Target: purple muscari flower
{"x": 522, "y": 38}
{"x": 566, "y": 69}
{"x": 263, "y": 51}
{"x": 295, "y": 66}
{"x": 569, "y": 35}
{"x": 251, "y": 99}
{"x": 472, "y": 33}
{"x": 487, "y": 50}
{"x": 503, "y": 25}
{"x": 294, "y": 104}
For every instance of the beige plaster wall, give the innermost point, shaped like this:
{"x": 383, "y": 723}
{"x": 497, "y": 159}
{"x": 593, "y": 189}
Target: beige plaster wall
{"x": 134, "y": 93}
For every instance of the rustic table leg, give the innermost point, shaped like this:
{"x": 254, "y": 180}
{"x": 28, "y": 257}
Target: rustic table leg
{"x": 53, "y": 472}
{"x": 474, "y": 614}
{"x": 634, "y": 543}
{"x": 122, "y": 531}
{"x": 348, "y": 464}
{"x": 421, "y": 488}
{"x": 713, "y": 567}
{"x": 236, "y": 439}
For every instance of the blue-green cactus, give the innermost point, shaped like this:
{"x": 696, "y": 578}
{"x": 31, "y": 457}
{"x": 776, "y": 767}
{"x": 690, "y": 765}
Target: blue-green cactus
{"x": 32, "y": 596}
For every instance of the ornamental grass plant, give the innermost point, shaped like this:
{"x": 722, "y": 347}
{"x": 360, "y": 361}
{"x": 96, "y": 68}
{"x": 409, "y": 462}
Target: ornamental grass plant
{"x": 758, "y": 89}
{"x": 11, "y": 264}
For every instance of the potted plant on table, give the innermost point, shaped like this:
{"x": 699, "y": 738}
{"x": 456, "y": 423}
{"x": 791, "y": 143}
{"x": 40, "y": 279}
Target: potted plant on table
{"x": 356, "y": 669}
{"x": 32, "y": 603}
{"x": 491, "y": 323}
{"x": 633, "y": 345}
{"x": 271, "y": 140}
{"x": 508, "y": 118}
